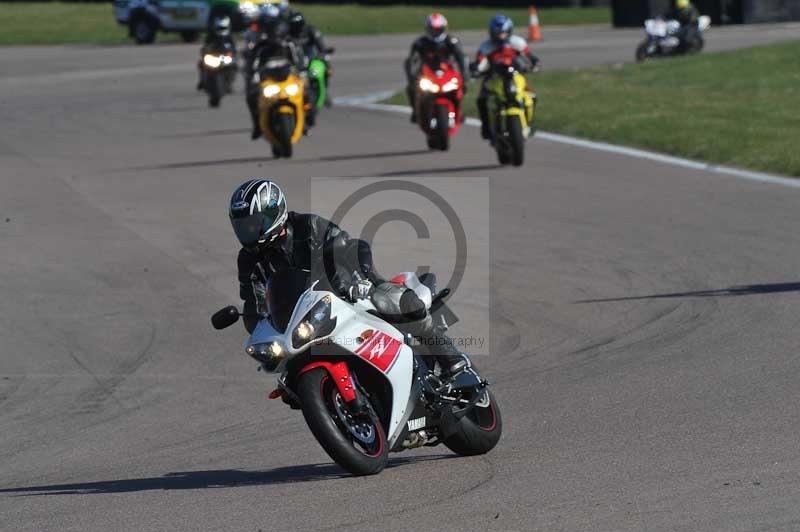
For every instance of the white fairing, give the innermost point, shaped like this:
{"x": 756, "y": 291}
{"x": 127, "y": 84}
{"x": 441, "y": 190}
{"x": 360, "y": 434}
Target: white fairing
{"x": 655, "y": 27}
{"x": 661, "y": 28}
{"x": 390, "y": 355}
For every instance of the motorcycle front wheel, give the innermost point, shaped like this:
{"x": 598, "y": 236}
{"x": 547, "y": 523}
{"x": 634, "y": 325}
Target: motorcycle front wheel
{"x": 214, "y": 87}
{"x": 356, "y": 441}
{"x": 516, "y": 140}
{"x": 284, "y": 127}
{"x": 441, "y": 134}
{"x": 697, "y": 44}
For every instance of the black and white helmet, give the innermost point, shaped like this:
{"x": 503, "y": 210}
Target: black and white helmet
{"x": 258, "y": 212}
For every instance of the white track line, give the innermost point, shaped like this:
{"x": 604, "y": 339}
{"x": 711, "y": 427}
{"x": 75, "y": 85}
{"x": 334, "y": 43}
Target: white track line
{"x": 367, "y": 102}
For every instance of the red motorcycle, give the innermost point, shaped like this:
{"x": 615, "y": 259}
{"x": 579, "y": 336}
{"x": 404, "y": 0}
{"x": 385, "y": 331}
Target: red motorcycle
{"x": 440, "y": 89}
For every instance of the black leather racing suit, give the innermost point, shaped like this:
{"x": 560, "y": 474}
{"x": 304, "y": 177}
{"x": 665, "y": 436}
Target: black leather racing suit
{"x": 320, "y": 247}
{"x": 311, "y": 44}
{"x": 427, "y": 50}
{"x": 688, "y": 19}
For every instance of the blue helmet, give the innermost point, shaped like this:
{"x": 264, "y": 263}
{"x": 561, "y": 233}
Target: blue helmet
{"x": 500, "y": 29}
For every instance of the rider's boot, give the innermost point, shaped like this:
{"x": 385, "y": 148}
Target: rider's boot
{"x": 256, "y": 133}
{"x": 483, "y": 110}
{"x": 433, "y": 342}
{"x": 410, "y": 95}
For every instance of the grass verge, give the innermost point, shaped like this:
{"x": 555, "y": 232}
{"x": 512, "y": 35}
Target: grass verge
{"x": 738, "y": 108}
{"x": 84, "y": 23}
{"x": 352, "y": 19}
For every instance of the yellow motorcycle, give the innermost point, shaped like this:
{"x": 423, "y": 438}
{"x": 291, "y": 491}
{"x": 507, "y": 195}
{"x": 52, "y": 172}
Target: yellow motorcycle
{"x": 511, "y": 110}
{"x": 281, "y": 112}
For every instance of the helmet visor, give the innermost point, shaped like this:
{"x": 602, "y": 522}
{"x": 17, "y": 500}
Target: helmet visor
{"x": 257, "y": 227}
{"x": 436, "y": 32}
{"x": 248, "y": 230}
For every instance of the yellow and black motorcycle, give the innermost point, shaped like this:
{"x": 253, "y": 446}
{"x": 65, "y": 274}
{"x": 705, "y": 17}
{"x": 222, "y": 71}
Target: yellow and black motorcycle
{"x": 511, "y": 110}
{"x": 281, "y": 113}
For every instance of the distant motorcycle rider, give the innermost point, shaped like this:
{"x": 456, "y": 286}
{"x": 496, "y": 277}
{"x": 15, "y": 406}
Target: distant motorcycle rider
{"x": 218, "y": 38}
{"x": 308, "y": 38}
{"x": 275, "y": 239}
{"x": 437, "y": 45}
{"x": 272, "y": 44}
{"x": 503, "y": 47}
{"x": 688, "y": 16}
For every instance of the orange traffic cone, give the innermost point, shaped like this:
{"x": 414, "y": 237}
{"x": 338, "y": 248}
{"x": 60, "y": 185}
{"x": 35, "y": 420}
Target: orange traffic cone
{"x": 534, "y": 32}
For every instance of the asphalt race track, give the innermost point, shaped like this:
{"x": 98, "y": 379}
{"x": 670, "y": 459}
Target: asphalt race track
{"x": 644, "y": 317}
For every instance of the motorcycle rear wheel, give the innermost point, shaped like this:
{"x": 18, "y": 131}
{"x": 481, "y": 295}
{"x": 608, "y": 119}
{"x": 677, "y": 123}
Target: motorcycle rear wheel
{"x": 357, "y": 442}
{"x": 478, "y": 431}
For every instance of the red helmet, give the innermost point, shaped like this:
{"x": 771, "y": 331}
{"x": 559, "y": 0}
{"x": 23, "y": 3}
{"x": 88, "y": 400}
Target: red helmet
{"x": 436, "y": 26}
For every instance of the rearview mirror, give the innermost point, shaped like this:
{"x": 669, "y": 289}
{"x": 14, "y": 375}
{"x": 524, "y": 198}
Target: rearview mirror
{"x": 225, "y": 317}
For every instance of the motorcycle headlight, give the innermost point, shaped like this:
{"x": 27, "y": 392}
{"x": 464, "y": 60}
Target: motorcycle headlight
{"x": 292, "y": 89}
{"x": 212, "y": 61}
{"x": 271, "y": 91}
{"x": 270, "y": 354}
{"x": 450, "y": 85}
{"x": 227, "y": 59}
{"x": 315, "y": 324}
{"x": 427, "y": 85}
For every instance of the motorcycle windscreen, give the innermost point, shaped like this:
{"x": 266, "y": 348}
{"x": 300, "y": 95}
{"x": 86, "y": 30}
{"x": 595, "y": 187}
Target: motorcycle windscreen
{"x": 275, "y": 69}
{"x": 284, "y": 289}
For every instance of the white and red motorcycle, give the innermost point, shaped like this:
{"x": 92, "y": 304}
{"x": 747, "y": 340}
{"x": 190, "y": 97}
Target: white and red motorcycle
{"x": 363, "y": 390}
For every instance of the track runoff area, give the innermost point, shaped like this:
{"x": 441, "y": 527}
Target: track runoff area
{"x": 641, "y": 315}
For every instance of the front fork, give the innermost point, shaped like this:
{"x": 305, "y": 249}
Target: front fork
{"x": 344, "y": 380}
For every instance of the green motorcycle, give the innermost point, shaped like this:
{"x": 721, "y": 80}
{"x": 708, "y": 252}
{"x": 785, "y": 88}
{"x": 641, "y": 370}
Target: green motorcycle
{"x": 316, "y": 87}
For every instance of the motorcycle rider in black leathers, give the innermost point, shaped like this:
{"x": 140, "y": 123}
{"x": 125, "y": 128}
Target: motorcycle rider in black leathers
{"x": 435, "y": 46}
{"x": 274, "y": 239}
{"x": 273, "y": 45}
{"x": 217, "y": 39}
{"x": 688, "y": 16}
{"x": 311, "y": 43}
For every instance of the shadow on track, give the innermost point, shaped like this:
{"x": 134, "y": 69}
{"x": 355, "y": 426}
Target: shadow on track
{"x": 177, "y": 109}
{"x": 224, "y": 478}
{"x": 431, "y": 171}
{"x": 265, "y": 157}
{"x": 197, "y": 164}
{"x": 203, "y": 134}
{"x": 741, "y": 290}
{"x": 379, "y": 155}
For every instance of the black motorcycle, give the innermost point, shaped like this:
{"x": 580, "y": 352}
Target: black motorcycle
{"x": 217, "y": 72}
